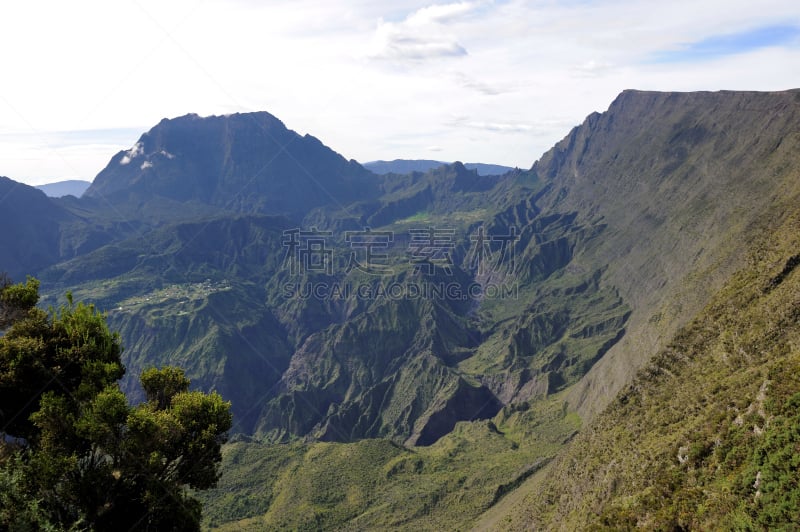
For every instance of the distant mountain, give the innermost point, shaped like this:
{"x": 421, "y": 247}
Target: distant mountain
{"x": 237, "y": 163}
{"x": 405, "y": 166}
{"x": 71, "y": 187}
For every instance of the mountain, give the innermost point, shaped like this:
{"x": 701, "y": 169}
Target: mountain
{"x": 190, "y": 292}
{"x": 670, "y": 433}
{"x": 30, "y": 239}
{"x": 351, "y": 366}
{"x": 406, "y": 166}
{"x": 243, "y": 163}
{"x": 444, "y": 334}
{"x": 645, "y": 213}
{"x": 43, "y": 231}
{"x": 681, "y": 179}
{"x": 705, "y": 436}
{"x": 71, "y": 187}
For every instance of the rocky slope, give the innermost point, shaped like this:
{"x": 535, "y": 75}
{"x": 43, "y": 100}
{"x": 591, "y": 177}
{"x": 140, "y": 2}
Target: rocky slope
{"x": 680, "y": 180}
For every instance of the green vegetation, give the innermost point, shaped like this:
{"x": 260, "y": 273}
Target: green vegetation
{"x": 421, "y": 216}
{"x": 378, "y": 484}
{"x": 707, "y": 436}
{"x": 73, "y": 453}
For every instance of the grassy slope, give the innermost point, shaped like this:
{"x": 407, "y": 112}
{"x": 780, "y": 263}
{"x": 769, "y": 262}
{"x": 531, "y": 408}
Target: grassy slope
{"x": 708, "y": 434}
{"x": 376, "y": 484}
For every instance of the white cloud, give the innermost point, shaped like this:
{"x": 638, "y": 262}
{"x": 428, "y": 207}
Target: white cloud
{"x": 483, "y": 87}
{"x": 401, "y": 46}
{"x": 501, "y": 127}
{"x": 591, "y": 69}
{"x": 422, "y": 35}
{"x": 441, "y": 13}
{"x": 136, "y": 151}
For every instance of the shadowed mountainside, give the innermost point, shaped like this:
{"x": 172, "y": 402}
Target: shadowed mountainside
{"x": 242, "y": 163}
{"x": 30, "y": 223}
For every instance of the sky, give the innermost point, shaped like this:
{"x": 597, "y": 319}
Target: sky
{"x": 476, "y": 81}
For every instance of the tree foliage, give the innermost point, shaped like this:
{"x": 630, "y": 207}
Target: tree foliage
{"x": 73, "y": 453}
{"x": 16, "y": 299}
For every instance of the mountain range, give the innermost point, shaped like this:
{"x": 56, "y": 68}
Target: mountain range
{"x": 59, "y": 189}
{"x": 458, "y": 341}
{"x": 406, "y": 166}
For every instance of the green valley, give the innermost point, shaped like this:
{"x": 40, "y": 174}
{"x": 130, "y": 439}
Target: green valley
{"x": 607, "y": 339}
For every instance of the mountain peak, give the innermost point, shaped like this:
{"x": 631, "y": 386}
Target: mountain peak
{"x": 238, "y": 162}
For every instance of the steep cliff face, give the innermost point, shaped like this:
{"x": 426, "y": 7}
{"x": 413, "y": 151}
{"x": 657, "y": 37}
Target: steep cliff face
{"x": 705, "y": 436}
{"x": 681, "y": 180}
{"x": 702, "y": 227}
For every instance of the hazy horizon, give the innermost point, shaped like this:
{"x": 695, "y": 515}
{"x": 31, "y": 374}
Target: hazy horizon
{"x": 490, "y": 81}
